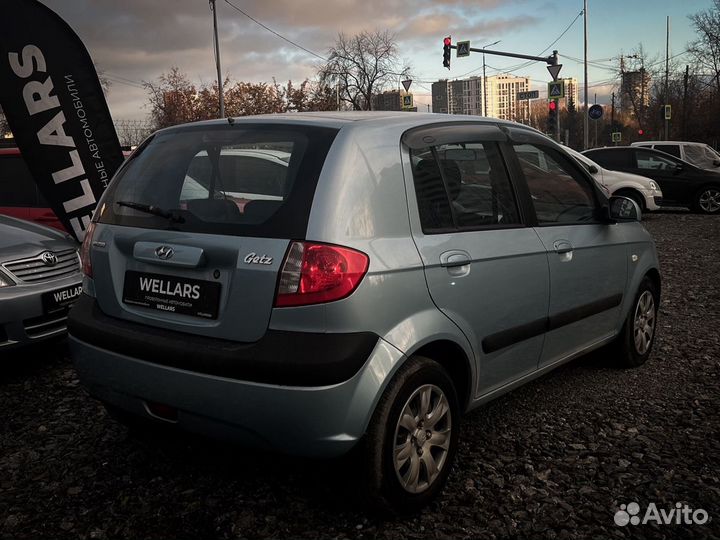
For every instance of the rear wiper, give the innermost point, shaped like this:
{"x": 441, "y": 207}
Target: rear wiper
{"x": 154, "y": 210}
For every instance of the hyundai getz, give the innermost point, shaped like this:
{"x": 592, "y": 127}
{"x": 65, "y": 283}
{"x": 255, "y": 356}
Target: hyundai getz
{"x": 314, "y": 283}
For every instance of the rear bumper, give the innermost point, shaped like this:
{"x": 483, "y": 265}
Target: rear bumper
{"x": 22, "y": 318}
{"x": 279, "y": 357}
{"x": 314, "y": 421}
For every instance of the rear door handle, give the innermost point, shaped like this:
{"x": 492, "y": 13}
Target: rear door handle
{"x": 563, "y": 246}
{"x": 453, "y": 258}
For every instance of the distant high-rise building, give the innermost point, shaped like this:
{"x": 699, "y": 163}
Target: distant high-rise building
{"x": 387, "y": 101}
{"x": 635, "y": 90}
{"x": 571, "y": 91}
{"x": 469, "y": 96}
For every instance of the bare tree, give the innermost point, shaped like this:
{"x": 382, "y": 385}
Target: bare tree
{"x": 706, "y": 48}
{"x": 362, "y": 65}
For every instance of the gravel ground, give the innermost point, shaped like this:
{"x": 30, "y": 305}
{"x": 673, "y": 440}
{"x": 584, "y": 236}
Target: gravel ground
{"x": 554, "y": 459}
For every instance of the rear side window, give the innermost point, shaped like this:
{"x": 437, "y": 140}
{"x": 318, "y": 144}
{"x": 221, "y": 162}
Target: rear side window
{"x": 702, "y": 156}
{"x": 672, "y": 149}
{"x": 249, "y": 180}
{"x": 558, "y": 194}
{"x": 463, "y": 186}
{"x": 17, "y": 185}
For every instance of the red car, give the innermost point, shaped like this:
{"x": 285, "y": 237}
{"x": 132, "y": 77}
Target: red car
{"x": 19, "y": 194}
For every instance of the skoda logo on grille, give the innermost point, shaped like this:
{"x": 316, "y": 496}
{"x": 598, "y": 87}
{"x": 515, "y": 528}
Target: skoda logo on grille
{"x": 164, "y": 252}
{"x": 48, "y": 258}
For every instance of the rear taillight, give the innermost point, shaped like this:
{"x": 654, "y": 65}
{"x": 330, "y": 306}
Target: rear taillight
{"x": 85, "y": 250}
{"x": 316, "y": 273}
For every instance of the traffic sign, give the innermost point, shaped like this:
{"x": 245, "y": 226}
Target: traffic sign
{"x": 407, "y": 101}
{"x": 595, "y": 112}
{"x": 463, "y": 48}
{"x": 556, "y": 90}
{"x": 554, "y": 70}
{"x": 406, "y": 84}
{"x": 532, "y": 94}
{"x": 668, "y": 112}
{"x": 616, "y": 136}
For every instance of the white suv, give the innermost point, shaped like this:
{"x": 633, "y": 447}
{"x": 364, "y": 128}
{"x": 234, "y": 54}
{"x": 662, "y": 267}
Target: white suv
{"x": 699, "y": 154}
{"x": 644, "y": 191}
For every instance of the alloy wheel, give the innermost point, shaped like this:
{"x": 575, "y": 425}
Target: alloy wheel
{"x": 644, "y": 324}
{"x": 709, "y": 200}
{"x": 422, "y": 438}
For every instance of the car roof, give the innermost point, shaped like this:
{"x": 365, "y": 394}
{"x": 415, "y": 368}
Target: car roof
{"x": 341, "y": 119}
{"x": 692, "y": 143}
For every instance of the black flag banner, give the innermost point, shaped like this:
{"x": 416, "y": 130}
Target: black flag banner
{"x": 56, "y": 109}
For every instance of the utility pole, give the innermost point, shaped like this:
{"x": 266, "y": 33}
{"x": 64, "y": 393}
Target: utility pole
{"x": 667, "y": 75}
{"x": 585, "y": 111}
{"x": 216, "y": 44}
{"x": 612, "y": 114}
{"x": 596, "y": 123}
{"x": 684, "y": 112}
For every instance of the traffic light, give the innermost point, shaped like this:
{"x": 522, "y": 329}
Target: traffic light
{"x": 446, "y": 52}
{"x": 552, "y": 116}
{"x": 641, "y": 132}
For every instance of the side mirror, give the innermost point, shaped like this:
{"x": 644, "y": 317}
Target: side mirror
{"x": 623, "y": 209}
{"x": 678, "y": 168}
{"x": 593, "y": 169}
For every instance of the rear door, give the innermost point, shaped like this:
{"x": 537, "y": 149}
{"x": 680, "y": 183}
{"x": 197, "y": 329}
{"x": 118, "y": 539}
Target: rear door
{"x": 664, "y": 169}
{"x": 205, "y": 258}
{"x": 485, "y": 268}
{"x": 587, "y": 258}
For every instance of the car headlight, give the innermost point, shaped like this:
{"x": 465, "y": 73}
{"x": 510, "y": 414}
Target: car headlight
{"x": 5, "y": 281}
{"x": 653, "y": 185}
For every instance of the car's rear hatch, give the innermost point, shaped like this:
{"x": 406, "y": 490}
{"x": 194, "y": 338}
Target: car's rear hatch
{"x": 192, "y": 233}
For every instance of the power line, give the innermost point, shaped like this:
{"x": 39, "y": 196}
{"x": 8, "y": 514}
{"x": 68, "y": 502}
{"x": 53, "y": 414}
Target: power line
{"x": 274, "y": 32}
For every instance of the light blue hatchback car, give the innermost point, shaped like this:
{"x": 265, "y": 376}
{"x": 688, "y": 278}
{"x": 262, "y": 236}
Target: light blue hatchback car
{"x": 391, "y": 272}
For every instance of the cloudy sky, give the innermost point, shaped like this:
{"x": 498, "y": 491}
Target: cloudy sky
{"x": 137, "y": 40}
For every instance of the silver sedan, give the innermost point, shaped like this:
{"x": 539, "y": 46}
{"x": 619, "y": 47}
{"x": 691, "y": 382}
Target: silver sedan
{"x": 39, "y": 279}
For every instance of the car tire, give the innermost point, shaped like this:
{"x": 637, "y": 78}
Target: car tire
{"x": 707, "y": 200}
{"x": 634, "y": 344}
{"x": 406, "y": 469}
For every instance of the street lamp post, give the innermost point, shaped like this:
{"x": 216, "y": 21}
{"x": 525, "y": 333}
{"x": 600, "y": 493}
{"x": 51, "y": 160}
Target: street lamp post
{"x": 485, "y": 79}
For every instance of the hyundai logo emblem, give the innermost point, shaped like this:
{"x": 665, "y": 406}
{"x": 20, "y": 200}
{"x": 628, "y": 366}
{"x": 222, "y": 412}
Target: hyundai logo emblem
{"x": 48, "y": 258}
{"x": 164, "y": 252}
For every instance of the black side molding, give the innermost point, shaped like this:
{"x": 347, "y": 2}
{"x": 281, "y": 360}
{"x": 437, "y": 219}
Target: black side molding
{"x": 508, "y": 337}
{"x": 283, "y": 358}
{"x": 505, "y": 338}
{"x": 582, "y": 312}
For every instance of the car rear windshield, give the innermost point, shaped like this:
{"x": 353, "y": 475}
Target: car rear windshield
{"x": 240, "y": 179}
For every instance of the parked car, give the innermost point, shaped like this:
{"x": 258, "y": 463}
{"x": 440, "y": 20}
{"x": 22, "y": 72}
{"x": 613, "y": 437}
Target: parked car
{"x": 19, "y": 194}
{"x": 39, "y": 279}
{"x": 414, "y": 268}
{"x": 682, "y": 184}
{"x": 701, "y": 155}
{"x": 644, "y": 191}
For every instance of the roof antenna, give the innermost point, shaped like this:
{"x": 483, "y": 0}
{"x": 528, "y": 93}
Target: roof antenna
{"x": 230, "y": 120}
